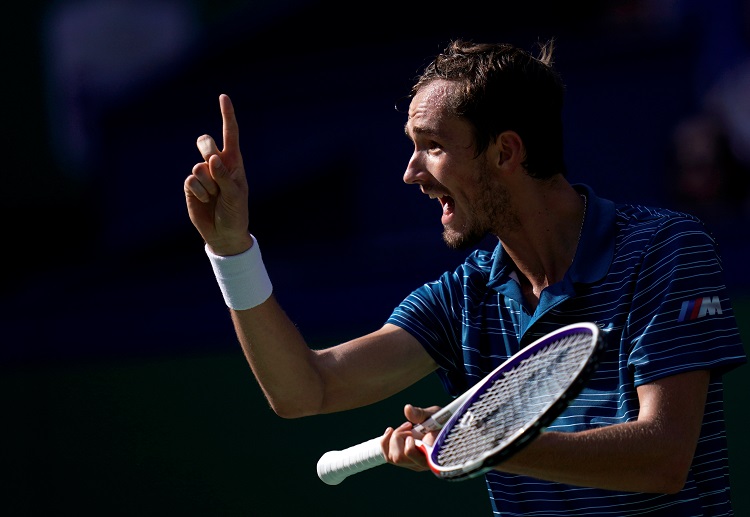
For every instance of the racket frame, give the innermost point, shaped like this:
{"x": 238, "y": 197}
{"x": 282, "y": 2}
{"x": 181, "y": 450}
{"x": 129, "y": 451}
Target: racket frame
{"x": 532, "y": 428}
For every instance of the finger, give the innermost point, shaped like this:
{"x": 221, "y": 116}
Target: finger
{"x": 207, "y": 146}
{"x": 203, "y": 175}
{"x": 417, "y": 414}
{"x": 386, "y": 436}
{"x": 194, "y": 188}
{"x": 406, "y": 426}
{"x": 397, "y": 447}
{"x": 414, "y": 454}
{"x": 412, "y": 451}
{"x": 230, "y": 127}
{"x": 385, "y": 442}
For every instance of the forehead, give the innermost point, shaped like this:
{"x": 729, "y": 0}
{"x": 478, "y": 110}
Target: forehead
{"x": 430, "y": 115}
{"x": 429, "y": 106}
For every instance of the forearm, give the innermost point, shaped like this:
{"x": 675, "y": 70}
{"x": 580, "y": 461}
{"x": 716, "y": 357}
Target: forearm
{"x": 281, "y": 360}
{"x": 299, "y": 381}
{"x": 278, "y": 355}
{"x": 651, "y": 454}
{"x": 633, "y": 457}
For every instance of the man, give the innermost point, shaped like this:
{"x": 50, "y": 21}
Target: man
{"x": 647, "y": 435}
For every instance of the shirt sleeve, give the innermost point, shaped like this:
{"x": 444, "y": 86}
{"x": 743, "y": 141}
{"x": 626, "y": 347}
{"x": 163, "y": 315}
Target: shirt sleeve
{"x": 681, "y": 318}
{"x": 432, "y": 314}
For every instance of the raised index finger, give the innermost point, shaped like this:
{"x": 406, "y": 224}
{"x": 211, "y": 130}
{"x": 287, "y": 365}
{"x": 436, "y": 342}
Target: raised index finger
{"x": 231, "y": 130}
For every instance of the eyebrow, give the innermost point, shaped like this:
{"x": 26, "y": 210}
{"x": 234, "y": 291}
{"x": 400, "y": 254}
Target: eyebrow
{"x": 419, "y": 130}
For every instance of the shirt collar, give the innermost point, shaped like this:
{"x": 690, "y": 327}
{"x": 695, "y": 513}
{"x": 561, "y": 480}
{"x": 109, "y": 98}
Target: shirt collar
{"x": 597, "y": 246}
{"x": 595, "y": 249}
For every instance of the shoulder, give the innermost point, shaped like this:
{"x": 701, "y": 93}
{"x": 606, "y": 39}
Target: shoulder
{"x": 651, "y": 225}
{"x": 630, "y": 215}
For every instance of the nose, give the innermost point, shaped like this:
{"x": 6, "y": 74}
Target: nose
{"x": 413, "y": 170}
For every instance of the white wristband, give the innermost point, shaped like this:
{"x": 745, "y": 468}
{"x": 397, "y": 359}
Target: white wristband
{"x": 242, "y": 278}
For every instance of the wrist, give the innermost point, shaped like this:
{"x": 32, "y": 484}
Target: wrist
{"x": 226, "y": 248}
{"x": 242, "y": 277}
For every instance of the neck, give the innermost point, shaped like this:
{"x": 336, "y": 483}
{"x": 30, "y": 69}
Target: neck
{"x": 544, "y": 242}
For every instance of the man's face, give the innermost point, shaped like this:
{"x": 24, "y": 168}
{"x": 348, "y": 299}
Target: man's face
{"x": 444, "y": 166}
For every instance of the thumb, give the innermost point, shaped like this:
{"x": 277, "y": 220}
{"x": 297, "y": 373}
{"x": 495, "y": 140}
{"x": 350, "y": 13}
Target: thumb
{"x": 219, "y": 171}
{"x": 210, "y": 153}
{"x": 417, "y": 415}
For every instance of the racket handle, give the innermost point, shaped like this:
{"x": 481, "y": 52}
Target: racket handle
{"x": 336, "y": 466}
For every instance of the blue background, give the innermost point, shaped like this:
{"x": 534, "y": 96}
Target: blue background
{"x": 124, "y": 387}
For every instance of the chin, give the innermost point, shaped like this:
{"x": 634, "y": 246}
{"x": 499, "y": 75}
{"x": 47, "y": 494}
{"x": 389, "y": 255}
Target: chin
{"x": 462, "y": 240}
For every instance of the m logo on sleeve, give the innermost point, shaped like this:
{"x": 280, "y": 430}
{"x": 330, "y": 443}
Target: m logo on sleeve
{"x": 694, "y": 309}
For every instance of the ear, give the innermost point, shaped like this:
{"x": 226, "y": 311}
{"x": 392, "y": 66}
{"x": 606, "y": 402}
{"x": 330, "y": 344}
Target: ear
{"x": 508, "y": 150}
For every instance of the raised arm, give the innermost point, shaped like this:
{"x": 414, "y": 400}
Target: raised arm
{"x": 296, "y": 380}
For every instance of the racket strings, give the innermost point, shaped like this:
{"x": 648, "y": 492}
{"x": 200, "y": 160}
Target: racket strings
{"x": 514, "y": 401}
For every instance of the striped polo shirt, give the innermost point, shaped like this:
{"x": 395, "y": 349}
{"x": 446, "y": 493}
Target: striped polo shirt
{"x": 652, "y": 278}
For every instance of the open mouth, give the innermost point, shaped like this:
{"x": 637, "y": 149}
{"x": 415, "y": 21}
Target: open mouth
{"x": 446, "y": 202}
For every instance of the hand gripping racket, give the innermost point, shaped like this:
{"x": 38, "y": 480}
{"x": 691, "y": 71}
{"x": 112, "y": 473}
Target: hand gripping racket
{"x": 497, "y": 416}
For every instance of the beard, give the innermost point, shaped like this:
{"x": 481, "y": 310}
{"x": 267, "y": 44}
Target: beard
{"x": 466, "y": 238}
{"x": 489, "y": 213}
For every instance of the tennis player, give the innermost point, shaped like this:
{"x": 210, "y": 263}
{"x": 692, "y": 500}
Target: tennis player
{"x": 647, "y": 434}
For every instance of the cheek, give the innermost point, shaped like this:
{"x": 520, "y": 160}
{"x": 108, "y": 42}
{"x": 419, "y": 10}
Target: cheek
{"x": 447, "y": 170}
{"x": 460, "y": 175}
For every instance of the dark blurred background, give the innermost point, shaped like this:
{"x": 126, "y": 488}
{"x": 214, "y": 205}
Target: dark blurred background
{"x": 125, "y": 392}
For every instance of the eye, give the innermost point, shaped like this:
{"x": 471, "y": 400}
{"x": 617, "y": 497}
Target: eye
{"x": 424, "y": 144}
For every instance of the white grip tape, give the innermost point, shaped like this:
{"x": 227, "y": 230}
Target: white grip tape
{"x": 336, "y": 466}
{"x": 242, "y": 278}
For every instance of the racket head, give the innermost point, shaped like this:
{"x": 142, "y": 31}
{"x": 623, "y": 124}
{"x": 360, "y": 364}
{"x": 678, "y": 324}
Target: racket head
{"x": 516, "y": 402}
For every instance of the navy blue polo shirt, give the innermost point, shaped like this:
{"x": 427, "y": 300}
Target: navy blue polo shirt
{"x": 653, "y": 279}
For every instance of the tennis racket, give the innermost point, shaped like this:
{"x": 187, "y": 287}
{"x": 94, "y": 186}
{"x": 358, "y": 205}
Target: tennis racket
{"x": 497, "y": 416}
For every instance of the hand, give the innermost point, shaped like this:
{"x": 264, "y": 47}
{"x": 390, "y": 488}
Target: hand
{"x": 400, "y": 445}
{"x": 216, "y": 192}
